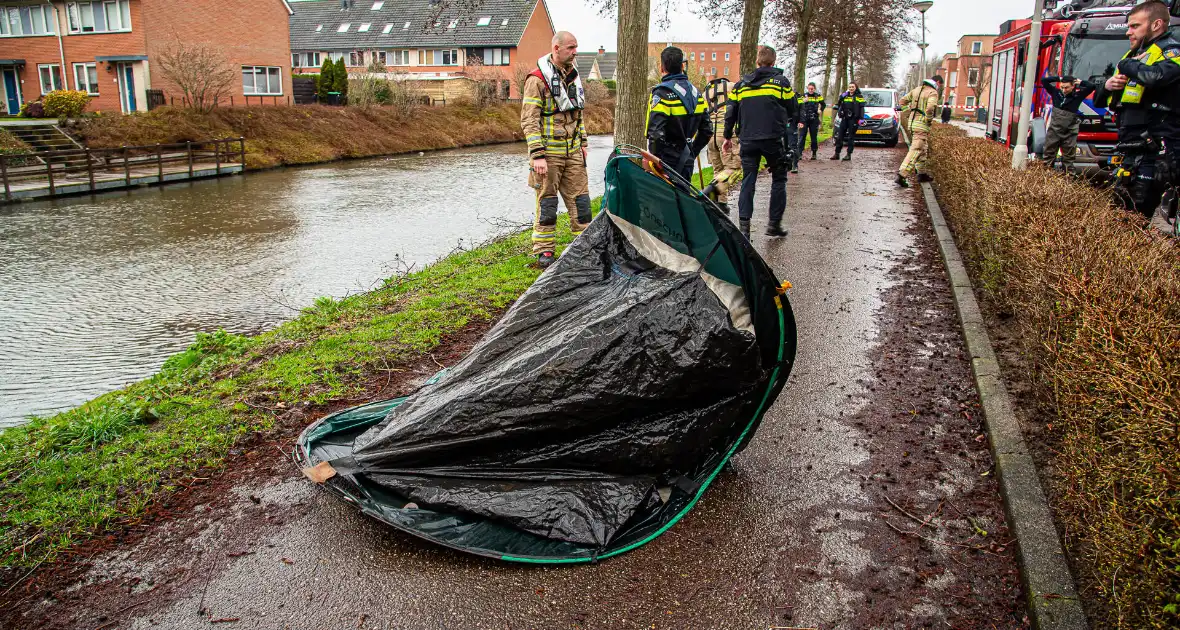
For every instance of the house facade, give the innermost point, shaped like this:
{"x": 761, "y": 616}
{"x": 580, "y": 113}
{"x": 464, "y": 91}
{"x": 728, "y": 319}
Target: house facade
{"x": 414, "y": 40}
{"x": 710, "y": 59}
{"x": 968, "y": 75}
{"x": 111, "y": 48}
{"x": 602, "y": 66}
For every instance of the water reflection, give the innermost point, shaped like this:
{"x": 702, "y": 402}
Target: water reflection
{"x": 96, "y": 292}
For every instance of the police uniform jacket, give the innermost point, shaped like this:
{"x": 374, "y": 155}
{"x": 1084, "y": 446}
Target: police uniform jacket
{"x": 812, "y": 107}
{"x": 760, "y": 105}
{"x": 1151, "y": 97}
{"x": 851, "y": 105}
{"x": 671, "y": 125}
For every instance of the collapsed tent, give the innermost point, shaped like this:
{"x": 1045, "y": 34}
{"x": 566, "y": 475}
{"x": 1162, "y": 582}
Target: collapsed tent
{"x": 599, "y": 408}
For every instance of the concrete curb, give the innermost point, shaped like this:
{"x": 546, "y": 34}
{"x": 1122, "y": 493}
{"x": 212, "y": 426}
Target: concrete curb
{"x": 1052, "y": 598}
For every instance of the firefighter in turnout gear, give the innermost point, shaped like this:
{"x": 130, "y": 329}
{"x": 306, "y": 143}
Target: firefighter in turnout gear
{"x": 678, "y": 124}
{"x": 1146, "y": 94}
{"x": 811, "y": 116}
{"x": 920, "y": 107}
{"x": 850, "y": 107}
{"x": 551, "y": 118}
{"x": 760, "y": 106}
{"x": 727, "y": 165}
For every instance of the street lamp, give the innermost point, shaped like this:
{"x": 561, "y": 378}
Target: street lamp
{"x": 923, "y": 6}
{"x": 1020, "y": 151}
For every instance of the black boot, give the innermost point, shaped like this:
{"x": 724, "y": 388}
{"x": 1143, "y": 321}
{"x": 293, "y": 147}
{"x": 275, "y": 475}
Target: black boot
{"x": 776, "y": 230}
{"x": 813, "y": 156}
{"x": 848, "y": 158}
{"x": 744, "y": 226}
{"x": 923, "y": 177}
{"x": 902, "y": 181}
{"x": 835, "y": 157}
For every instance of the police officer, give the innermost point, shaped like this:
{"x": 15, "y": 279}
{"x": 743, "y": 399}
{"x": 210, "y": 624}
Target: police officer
{"x": 811, "y": 115}
{"x": 791, "y": 138}
{"x": 760, "y": 106}
{"x": 850, "y": 106}
{"x": 678, "y": 125}
{"x": 727, "y": 165}
{"x": 1146, "y": 94}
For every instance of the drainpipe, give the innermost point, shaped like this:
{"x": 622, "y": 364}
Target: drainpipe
{"x": 61, "y": 49}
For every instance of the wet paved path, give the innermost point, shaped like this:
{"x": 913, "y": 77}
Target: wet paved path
{"x": 805, "y": 530}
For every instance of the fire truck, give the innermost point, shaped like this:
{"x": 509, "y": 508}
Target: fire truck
{"x": 1085, "y": 40}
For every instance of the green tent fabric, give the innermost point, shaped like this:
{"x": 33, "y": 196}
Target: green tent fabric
{"x": 600, "y": 408}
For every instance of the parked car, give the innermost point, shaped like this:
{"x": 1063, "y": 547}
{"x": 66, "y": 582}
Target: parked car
{"x": 882, "y": 117}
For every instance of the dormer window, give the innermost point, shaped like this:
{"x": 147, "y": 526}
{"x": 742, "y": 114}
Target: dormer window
{"x": 484, "y": 21}
{"x": 388, "y": 28}
{"x": 364, "y": 28}
{"x": 344, "y": 27}
{"x": 377, "y": 5}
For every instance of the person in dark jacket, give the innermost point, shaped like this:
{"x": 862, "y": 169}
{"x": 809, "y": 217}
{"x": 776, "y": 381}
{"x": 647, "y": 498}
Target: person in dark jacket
{"x": 1064, "y": 124}
{"x": 850, "y": 107}
{"x": 760, "y": 106}
{"x": 946, "y": 114}
{"x": 1145, "y": 93}
{"x": 811, "y": 114}
{"x": 678, "y": 125}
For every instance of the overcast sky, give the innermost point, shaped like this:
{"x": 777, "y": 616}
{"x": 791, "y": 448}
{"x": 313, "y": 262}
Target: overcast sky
{"x": 946, "y": 21}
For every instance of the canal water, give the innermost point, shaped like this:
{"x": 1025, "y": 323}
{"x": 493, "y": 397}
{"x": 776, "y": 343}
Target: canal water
{"x": 96, "y": 292}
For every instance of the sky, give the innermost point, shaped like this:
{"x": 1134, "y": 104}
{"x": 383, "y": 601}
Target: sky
{"x": 946, "y": 21}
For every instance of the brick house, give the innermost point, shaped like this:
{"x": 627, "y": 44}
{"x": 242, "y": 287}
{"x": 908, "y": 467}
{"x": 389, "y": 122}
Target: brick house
{"x": 711, "y": 59}
{"x": 413, "y": 40}
{"x": 109, "y": 48}
{"x": 968, "y": 75}
{"x": 602, "y": 66}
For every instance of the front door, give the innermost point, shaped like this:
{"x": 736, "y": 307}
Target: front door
{"x": 11, "y": 91}
{"x": 126, "y": 75}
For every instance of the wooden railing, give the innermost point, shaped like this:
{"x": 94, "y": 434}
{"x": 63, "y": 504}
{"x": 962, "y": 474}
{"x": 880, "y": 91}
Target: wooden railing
{"x": 55, "y": 166}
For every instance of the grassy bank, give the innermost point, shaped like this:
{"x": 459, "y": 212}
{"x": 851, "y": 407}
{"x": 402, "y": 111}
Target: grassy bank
{"x": 281, "y": 135}
{"x": 1097, "y": 299}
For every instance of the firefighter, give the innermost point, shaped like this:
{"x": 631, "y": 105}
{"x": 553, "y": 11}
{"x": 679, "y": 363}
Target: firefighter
{"x": 1066, "y": 120}
{"x": 922, "y": 103}
{"x": 760, "y": 106}
{"x": 810, "y": 118}
{"x": 551, "y": 118}
{"x": 850, "y": 107}
{"x": 678, "y": 124}
{"x": 1145, "y": 92}
{"x": 727, "y": 165}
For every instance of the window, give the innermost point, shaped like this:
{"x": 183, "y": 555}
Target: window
{"x": 99, "y": 17}
{"x": 380, "y": 57}
{"x": 406, "y": 26}
{"x": 34, "y": 20}
{"x": 399, "y": 58}
{"x": 454, "y": 23}
{"x": 726, "y": 70}
{"x": 305, "y": 60}
{"x": 364, "y": 28}
{"x": 972, "y": 77}
{"x": 262, "y": 80}
{"x": 714, "y": 57}
{"x": 377, "y": 5}
{"x": 356, "y": 58}
{"x": 727, "y": 59}
{"x": 86, "y": 78}
{"x": 319, "y": 27}
{"x": 504, "y": 23}
{"x": 692, "y": 56}
{"x": 50, "y": 78}
{"x": 489, "y": 56}
{"x": 976, "y": 48}
{"x": 387, "y": 30}
{"x": 484, "y": 21}
{"x": 954, "y": 78}
{"x": 713, "y": 71}
{"x": 970, "y": 102}
{"x": 343, "y": 28}
{"x": 449, "y": 57}
{"x": 336, "y": 56}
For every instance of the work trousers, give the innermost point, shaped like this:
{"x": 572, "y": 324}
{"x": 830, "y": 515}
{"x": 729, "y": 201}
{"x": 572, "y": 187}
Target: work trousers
{"x": 809, "y": 127}
{"x": 1062, "y": 136}
{"x": 915, "y": 160}
{"x": 790, "y": 141}
{"x": 776, "y": 161}
{"x": 727, "y": 167}
{"x": 846, "y": 134}
{"x": 566, "y": 177}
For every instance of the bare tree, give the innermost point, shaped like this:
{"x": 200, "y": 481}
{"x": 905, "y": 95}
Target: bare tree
{"x": 977, "y": 69}
{"x": 520, "y": 74}
{"x": 631, "y": 98}
{"x": 199, "y": 70}
{"x": 751, "y": 31}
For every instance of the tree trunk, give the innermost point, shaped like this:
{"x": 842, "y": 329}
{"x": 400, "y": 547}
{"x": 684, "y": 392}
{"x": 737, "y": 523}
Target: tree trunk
{"x": 851, "y": 68}
{"x": 751, "y": 29}
{"x": 631, "y": 99}
{"x": 828, "y": 95}
{"x": 802, "y": 41}
{"x": 841, "y": 70}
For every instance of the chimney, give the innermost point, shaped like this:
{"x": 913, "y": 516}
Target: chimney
{"x": 601, "y": 50}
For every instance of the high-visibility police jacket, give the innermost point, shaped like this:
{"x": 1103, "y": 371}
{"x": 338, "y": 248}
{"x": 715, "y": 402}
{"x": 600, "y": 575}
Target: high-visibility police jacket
{"x": 760, "y": 105}
{"x": 812, "y": 106}
{"x": 1151, "y": 97}
{"x": 671, "y": 126}
{"x": 851, "y": 106}
{"x": 547, "y": 130}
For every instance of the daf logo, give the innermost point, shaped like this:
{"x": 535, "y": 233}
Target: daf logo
{"x": 1116, "y": 27}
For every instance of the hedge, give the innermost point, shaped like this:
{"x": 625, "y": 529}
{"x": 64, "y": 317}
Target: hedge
{"x": 1096, "y": 296}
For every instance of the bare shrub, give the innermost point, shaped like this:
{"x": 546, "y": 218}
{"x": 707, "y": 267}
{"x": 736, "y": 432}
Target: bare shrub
{"x": 596, "y": 92}
{"x": 487, "y": 82}
{"x": 199, "y": 70}
{"x": 520, "y": 74}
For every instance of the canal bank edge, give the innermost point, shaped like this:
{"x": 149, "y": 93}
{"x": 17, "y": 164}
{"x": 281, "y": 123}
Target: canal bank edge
{"x": 1052, "y": 596}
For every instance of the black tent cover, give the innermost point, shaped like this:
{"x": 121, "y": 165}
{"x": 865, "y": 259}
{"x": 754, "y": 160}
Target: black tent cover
{"x": 598, "y": 410}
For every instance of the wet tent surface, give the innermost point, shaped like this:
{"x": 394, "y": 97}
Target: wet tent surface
{"x": 794, "y": 533}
